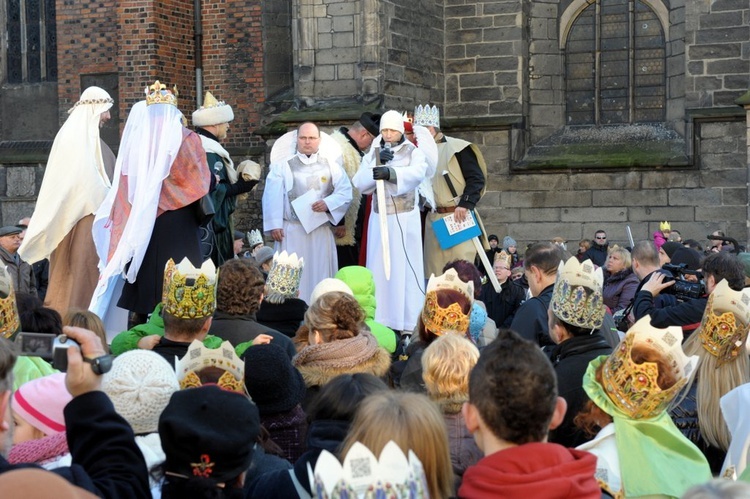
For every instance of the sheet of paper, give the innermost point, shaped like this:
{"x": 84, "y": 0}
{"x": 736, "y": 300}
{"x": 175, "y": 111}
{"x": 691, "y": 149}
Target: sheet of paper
{"x": 453, "y": 226}
{"x": 309, "y": 219}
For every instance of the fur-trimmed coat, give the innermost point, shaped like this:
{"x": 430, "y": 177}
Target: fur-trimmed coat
{"x": 320, "y": 363}
{"x": 352, "y": 159}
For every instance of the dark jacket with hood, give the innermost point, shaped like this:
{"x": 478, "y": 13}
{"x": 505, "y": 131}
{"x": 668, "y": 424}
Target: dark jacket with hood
{"x": 530, "y": 321}
{"x": 571, "y": 359}
{"x": 237, "y": 329}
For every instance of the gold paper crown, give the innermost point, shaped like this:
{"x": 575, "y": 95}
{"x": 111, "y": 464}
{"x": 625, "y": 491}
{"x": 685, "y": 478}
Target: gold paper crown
{"x": 439, "y": 320}
{"x": 427, "y": 116}
{"x": 189, "y": 293}
{"x": 632, "y": 387}
{"x": 664, "y": 226}
{"x": 158, "y": 94}
{"x": 726, "y": 322}
{"x": 283, "y": 278}
{"x": 199, "y": 357}
{"x": 577, "y": 296}
{"x": 9, "y": 321}
{"x": 504, "y": 256}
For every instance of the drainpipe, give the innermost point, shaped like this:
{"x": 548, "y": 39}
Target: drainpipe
{"x": 198, "y": 39}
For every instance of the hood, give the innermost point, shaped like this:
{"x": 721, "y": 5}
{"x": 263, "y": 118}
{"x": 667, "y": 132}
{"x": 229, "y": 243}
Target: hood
{"x": 360, "y": 280}
{"x": 533, "y": 470}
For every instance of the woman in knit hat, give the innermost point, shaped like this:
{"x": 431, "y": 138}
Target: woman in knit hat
{"x": 330, "y": 416}
{"x": 208, "y": 436}
{"x": 140, "y": 385}
{"x": 277, "y": 388}
{"x": 37, "y": 409}
{"x": 667, "y": 250}
{"x": 640, "y": 452}
{"x": 510, "y": 247}
{"x": 337, "y": 343}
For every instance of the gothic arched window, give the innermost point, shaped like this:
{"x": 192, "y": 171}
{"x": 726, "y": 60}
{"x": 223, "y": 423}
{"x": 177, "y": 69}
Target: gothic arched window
{"x": 32, "y": 43}
{"x": 615, "y": 64}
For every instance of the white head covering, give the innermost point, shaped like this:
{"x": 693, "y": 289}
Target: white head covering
{"x": 150, "y": 143}
{"x": 75, "y": 182}
{"x": 392, "y": 120}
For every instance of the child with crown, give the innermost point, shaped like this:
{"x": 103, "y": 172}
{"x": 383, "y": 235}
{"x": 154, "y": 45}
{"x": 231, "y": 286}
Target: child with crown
{"x": 640, "y": 452}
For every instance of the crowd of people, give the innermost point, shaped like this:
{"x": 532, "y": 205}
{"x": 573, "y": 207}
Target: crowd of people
{"x": 379, "y": 349}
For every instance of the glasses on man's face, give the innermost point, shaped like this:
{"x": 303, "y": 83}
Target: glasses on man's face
{"x": 601, "y": 237}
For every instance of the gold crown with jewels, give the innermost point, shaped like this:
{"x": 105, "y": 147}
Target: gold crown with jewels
{"x": 199, "y": 357}
{"x": 159, "y": 94}
{"x": 9, "y": 321}
{"x": 283, "y": 278}
{"x": 726, "y": 322}
{"x": 633, "y": 387}
{"x": 577, "y": 295}
{"x": 189, "y": 293}
{"x": 439, "y": 320}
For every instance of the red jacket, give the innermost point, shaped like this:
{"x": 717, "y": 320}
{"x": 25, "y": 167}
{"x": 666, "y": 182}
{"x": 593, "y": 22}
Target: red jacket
{"x": 530, "y": 471}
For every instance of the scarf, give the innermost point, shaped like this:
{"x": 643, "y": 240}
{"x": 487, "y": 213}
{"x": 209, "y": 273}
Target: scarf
{"x": 212, "y": 146}
{"x": 39, "y": 451}
{"x": 649, "y": 449}
{"x": 338, "y": 354}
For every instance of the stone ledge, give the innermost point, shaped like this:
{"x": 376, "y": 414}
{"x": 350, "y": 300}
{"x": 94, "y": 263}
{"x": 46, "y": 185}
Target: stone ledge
{"x": 594, "y": 148}
{"x": 26, "y": 152}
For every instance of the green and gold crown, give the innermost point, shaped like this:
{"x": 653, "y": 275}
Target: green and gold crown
{"x": 9, "y": 321}
{"x": 158, "y": 94}
{"x": 726, "y": 322}
{"x": 633, "y": 387}
{"x": 439, "y": 320}
{"x": 283, "y": 278}
{"x": 198, "y": 357}
{"x": 577, "y": 296}
{"x": 189, "y": 293}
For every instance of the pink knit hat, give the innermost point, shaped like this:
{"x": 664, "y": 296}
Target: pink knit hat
{"x": 41, "y": 402}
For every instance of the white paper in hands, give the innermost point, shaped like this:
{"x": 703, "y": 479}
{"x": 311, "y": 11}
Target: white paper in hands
{"x": 454, "y": 227}
{"x": 309, "y": 219}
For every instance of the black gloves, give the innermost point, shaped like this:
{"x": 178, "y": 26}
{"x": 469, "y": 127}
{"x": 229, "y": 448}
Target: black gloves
{"x": 385, "y": 156}
{"x": 381, "y": 172}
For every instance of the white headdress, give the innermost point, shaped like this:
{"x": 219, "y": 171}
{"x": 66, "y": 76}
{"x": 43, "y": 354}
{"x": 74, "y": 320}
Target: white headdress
{"x": 75, "y": 182}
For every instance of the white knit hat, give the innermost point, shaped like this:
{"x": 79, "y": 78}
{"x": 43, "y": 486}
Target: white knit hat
{"x": 212, "y": 112}
{"x": 392, "y": 120}
{"x": 140, "y": 385}
{"x": 329, "y": 285}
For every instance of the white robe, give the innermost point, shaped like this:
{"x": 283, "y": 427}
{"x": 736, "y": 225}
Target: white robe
{"x": 400, "y": 299}
{"x": 318, "y": 248}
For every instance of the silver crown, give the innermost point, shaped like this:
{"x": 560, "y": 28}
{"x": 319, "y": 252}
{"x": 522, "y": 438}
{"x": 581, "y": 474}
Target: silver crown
{"x": 427, "y": 115}
{"x": 283, "y": 278}
{"x": 254, "y": 237}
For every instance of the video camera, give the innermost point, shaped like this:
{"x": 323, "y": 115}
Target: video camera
{"x": 47, "y": 346}
{"x": 682, "y": 289}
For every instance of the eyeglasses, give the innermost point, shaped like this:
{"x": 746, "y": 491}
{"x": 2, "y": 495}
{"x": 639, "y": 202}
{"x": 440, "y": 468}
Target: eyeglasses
{"x": 601, "y": 237}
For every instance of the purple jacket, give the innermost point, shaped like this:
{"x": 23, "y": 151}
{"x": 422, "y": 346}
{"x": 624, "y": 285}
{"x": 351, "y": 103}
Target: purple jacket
{"x": 619, "y": 290}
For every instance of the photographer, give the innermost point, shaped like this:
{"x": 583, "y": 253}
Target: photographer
{"x": 689, "y": 313}
{"x": 106, "y": 460}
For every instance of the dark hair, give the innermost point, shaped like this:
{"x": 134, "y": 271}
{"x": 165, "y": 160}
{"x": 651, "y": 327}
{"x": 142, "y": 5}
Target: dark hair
{"x": 239, "y": 288}
{"x": 27, "y": 302}
{"x": 187, "y": 328}
{"x": 514, "y": 388}
{"x": 339, "y": 398}
{"x": 724, "y": 265}
{"x": 646, "y": 254}
{"x": 692, "y": 243}
{"x": 467, "y": 272}
{"x": 573, "y": 329}
{"x": 545, "y": 256}
{"x": 601, "y": 231}
{"x": 42, "y": 320}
